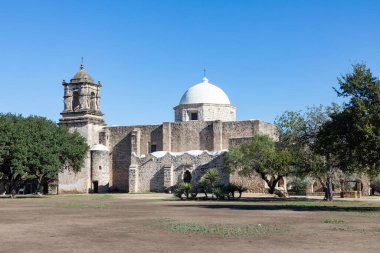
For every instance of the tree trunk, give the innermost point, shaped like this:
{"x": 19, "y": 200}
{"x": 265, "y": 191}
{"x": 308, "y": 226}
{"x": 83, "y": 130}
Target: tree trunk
{"x": 39, "y": 183}
{"x": 12, "y": 188}
{"x": 272, "y": 186}
{"x": 329, "y": 189}
{"x": 329, "y": 183}
{"x": 324, "y": 186}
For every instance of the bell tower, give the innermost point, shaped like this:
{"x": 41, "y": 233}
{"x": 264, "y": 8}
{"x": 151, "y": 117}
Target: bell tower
{"x": 81, "y": 100}
{"x": 81, "y": 114}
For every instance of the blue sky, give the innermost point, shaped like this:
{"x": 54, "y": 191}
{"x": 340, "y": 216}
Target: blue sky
{"x": 268, "y": 56}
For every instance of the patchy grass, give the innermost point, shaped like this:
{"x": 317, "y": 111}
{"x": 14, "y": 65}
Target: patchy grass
{"x": 295, "y": 205}
{"x": 223, "y": 230}
{"x": 133, "y": 193}
{"x": 332, "y": 221}
{"x": 90, "y": 196}
{"x": 167, "y": 200}
{"x": 343, "y": 228}
{"x": 370, "y": 214}
{"x": 83, "y": 205}
{"x": 102, "y": 196}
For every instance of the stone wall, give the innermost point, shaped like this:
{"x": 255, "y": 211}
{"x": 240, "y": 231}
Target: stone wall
{"x": 192, "y": 135}
{"x": 120, "y": 145}
{"x": 154, "y": 168}
{"x": 163, "y": 170}
{"x": 213, "y": 112}
{"x": 173, "y": 137}
{"x": 80, "y": 182}
{"x": 206, "y": 112}
{"x": 253, "y": 183}
{"x": 246, "y": 129}
{"x": 100, "y": 170}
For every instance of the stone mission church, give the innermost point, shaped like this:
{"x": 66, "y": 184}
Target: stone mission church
{"x": 146, "y": 158}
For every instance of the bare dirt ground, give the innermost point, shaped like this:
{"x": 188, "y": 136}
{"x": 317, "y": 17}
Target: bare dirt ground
{"x": 157, "y": 223}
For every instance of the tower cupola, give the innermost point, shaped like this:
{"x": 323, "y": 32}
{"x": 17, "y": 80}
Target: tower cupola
{"x": 81, "y": 98}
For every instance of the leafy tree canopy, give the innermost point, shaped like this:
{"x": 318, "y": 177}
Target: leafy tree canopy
{"x": 353, "y": 134}
{"x": 262, "y": 156}
{"x": 35, "y": 148}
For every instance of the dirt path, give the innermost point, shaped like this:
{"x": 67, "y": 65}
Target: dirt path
{"x": 142, "y": 223}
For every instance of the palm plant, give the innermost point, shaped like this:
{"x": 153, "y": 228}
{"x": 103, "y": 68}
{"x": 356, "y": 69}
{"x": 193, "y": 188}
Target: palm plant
{"x": 211, "y": 176}
{"x": 203, "y": 185}
{"x": 183, "y": 189}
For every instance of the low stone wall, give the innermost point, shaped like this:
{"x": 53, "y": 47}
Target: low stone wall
{"x": 162, "y": 170}
{"x": 351, "y": 194}
{"x": 253, "y": 183}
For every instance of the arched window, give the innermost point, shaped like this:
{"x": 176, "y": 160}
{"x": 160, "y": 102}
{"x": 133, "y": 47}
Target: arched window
{"x": 75, "y": 103}
{"x": 93, "y": 101}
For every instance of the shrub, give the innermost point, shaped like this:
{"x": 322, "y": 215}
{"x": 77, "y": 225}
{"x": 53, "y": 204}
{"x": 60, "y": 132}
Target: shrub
{"x": 183, "y": 189}
{"x": 299, "y": 185}
{"x": 240, "y": 190}
{"x": 218, "y": 192}
{"x": 203, "y": 185}
{"x": 230, "y": 190}
{"x": 178, "y": 193}
{"x": 212, "y": 176}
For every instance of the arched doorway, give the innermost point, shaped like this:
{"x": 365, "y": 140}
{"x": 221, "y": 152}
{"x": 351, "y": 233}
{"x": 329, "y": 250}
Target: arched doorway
{"x": 187, "y": 176}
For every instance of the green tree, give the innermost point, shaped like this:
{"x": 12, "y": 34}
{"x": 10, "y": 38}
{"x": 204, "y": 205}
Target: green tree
{"x": 355, "y": 130}
{"x": 13, "y": 151}
{"x": 35, "y": 148}
{"x": 263, "y": 157}
{"x": 299, "y": 133}
{"x": 350, "y": 139}
{"x": 345, "y": 138}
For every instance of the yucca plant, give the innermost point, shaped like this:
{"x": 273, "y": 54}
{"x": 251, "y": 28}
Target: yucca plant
{"x": 183, "y": 189}
{"x": 203, "y": 185}
{"x": 230, "y": 190}
{"x": 240, "y": 190}
{"x": 218, "y": 192}
{"x": 211, "y": 176}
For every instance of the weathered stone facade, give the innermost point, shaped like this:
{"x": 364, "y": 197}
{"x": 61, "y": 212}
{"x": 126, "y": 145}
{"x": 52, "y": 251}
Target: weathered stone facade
{"x": 205, "y": 112}
{"x": 154, "y": 157}
{"x": 161, "y": 170}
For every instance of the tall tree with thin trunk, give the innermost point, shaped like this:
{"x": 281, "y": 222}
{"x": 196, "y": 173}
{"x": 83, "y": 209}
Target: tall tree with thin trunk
{"x": 351, "y": 137}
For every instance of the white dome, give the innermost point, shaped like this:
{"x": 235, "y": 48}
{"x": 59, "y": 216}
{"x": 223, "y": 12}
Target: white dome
{"x": 204, "y": 93}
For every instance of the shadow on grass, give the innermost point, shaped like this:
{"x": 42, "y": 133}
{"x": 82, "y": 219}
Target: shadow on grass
{"x": 292, "y": 204}
{"x": 24, "y": 196}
